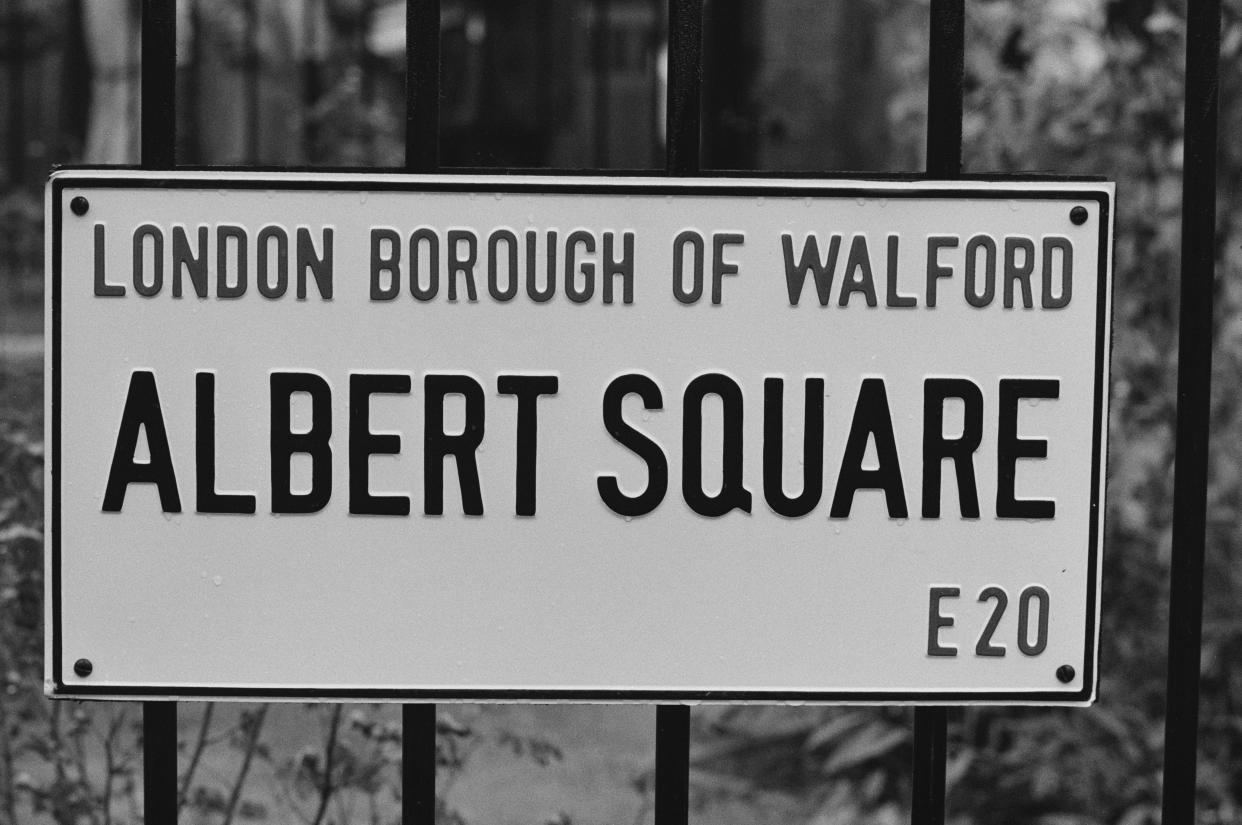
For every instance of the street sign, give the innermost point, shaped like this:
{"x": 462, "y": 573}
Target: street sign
{"x": 567, "y": 438}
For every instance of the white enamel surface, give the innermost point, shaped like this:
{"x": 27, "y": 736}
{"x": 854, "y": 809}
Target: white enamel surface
{"x": 577, "y": 597}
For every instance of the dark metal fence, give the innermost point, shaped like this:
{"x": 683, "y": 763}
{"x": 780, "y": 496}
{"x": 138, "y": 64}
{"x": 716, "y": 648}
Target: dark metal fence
{"x": 944, "y": 138}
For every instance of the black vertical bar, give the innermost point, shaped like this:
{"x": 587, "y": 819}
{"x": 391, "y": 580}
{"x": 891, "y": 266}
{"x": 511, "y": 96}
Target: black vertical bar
{"x": 947, "y": 45}
{"x": 685, "y": 82}
{"x": 672, "y": 767}
{"x": 418, "y": 764}
{"x": 685, "y": 85}
{"x": 422, "y": 85}
{"x": 1194, "y": 374}
{"x": 945, "y": 61}
{"x": 159, "y": 83}
{"x": 422, "y": 154}
{"x": 930, "y": 744}
{"x": 159, "y": 135}
{"x": 546, "y": 77}
{"x": 603, "y": 97}
{"x": 159, "y": 762}
{"x": 191, "y": 91}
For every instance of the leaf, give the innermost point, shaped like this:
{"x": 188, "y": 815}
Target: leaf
{"x": 830, "y": 731}
{"x": 867, "y": 744}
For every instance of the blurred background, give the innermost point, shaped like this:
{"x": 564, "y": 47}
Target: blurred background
{"x": 1058, "y": 86}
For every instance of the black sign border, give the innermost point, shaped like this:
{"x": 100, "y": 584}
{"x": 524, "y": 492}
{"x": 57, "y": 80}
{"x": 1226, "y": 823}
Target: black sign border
{"x": 920, "y": 187}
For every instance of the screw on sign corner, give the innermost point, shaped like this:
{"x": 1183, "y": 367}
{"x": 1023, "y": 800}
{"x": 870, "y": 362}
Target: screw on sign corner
{"x": 83, "y": 667}
{"x": 1078, "y": 216}
{"x": 79, "y": 206}
{"x": 1065, "y": 674}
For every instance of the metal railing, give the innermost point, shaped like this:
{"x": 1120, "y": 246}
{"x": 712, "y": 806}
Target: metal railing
{"x": 944, "y": 139}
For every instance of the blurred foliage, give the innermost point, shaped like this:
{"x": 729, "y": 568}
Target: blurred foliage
{"x": 74, "y": 763}
{"x": 1084, "y": 88}
{"x": 1087, "y": 87}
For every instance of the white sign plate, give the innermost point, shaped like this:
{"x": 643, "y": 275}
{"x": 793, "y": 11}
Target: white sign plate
{"x": 613, "y": 439}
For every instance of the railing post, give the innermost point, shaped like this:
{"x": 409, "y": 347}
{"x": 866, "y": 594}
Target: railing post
{"x": 418, "y": 764}
{"x": 159, "y": 83}
{"x": 159, "y": 762}
{"x": 672, "y": 767}
{"x": 422, "y": 85}
{"x": 422, "y": 154}
{"x": 930, "y": 745}
{"x": 685, "y": 81}
{"x": 685, "y": 86}
{"x": 159, "y": 140}
{"x": 1194, "y": 378}
{"x": 946, "y": 59}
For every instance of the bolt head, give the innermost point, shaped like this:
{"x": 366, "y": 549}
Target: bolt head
{"x": 1065, "y": 674}
{"x": 83, "y": 667}
{"x": 1078, "y": 215}
{"x": 79, "y": 206}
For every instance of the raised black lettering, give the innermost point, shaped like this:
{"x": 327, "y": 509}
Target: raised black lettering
{"x": 320, "y": 266}
{"x": 858, "y": 261}
{"x": 638, "y": 443}
{"x": 238, "y": 235}
{"x": 142, "y": 412}
{"x": 315, "y": 442}
{"x": 1016, "y": 273}
{"x": 961, "y": 450}
{"x": 207, "y": 499}
{"x": 262, "y": 270}
{"x": 493, "y": 265}
{"x": 1034, "y": 593}
{"x": 1010, "y": 448}
{"x": 624, "y": 267}
{"x": 872, "y": 420}
{"x": 1053, "y": 244}
{"x": 527, "y": 389}
{"x": 102, "y": 288}
{"x": 733, "y": 494}
{"x": 973, "y": 296}
{"x": 812, "y": 448}
{"x": 695, "y": 241}
{"x": 721, "y": 267}
{"x": 462, "y": 263}
{"x": 935, "y": 269}
{"x": 194, "y": 265}
{"x": 936, "y": 620}
{"x": 894, "y": 298}
{"x": 584, "y": 239}
{"x": 438, "y": 445}
{"x": 143, "y": 232}
{"x": 536, "y": 294}
{"x": 795, "y": 274}
{"x": 381, "y": 263}
{"x": 363, "y": 444}
{"x": 984, "y": 646}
